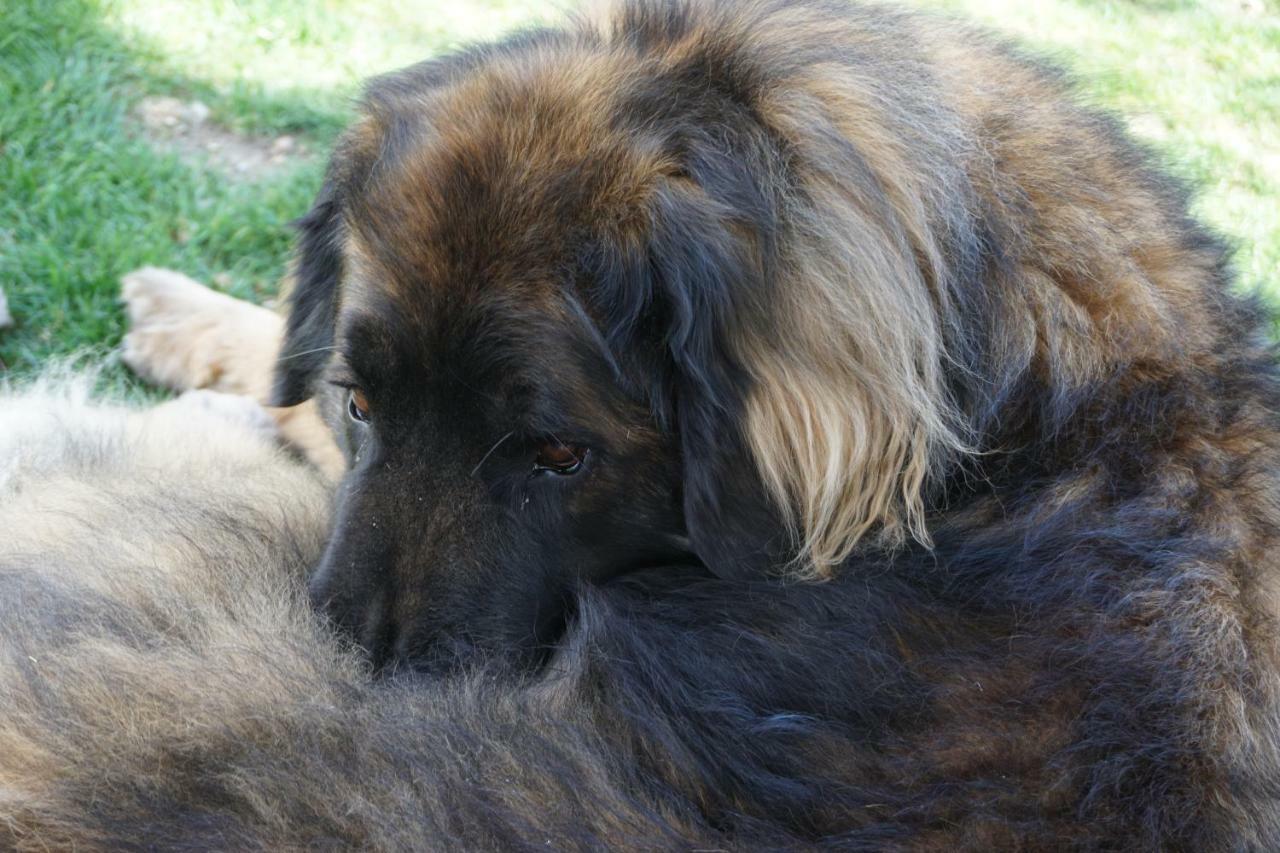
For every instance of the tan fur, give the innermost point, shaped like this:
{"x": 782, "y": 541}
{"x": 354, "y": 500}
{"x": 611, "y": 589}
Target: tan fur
{"x": 851, "y": 416}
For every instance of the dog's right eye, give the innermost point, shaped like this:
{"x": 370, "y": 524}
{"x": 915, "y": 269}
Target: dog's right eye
{"x": 559, "y": 458}
{"x": 358, "y": 406}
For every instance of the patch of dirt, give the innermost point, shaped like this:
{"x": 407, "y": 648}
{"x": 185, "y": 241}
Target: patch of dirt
{"x": 184, "y": 127}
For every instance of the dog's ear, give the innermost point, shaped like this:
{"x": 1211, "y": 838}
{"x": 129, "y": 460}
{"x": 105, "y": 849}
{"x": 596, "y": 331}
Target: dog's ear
{"x": 676, "y": 302}
{"x": 733, "y": 524}
{"x": 313, "y": 309}
{"x": 706, "y": 276}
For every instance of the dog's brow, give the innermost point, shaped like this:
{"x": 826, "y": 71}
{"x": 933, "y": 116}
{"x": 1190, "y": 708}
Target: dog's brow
{"x": 340, "y": 372}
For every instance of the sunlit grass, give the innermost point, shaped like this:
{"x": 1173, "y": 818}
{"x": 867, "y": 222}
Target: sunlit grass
{"x": 1198, "y": 80}
{"x": 243, "y": 51}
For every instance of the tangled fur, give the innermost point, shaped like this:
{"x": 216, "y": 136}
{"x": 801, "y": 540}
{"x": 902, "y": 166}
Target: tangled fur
{"x": 957, "y": 459}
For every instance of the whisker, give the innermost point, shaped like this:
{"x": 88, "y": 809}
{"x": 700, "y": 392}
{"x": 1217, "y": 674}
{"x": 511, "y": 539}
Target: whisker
{"x": 568, "y": 447}
{"x": 496, "y": 445}
{"x": 306, "y": 352}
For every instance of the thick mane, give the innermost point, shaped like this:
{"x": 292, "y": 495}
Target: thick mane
{"x": 855, "y": 226}
{"x": 929, "y": 281}
{"x": 851, "y": 418}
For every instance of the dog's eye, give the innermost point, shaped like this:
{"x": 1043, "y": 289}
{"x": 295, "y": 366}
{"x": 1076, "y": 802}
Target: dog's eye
{"x": 559, "y": 458}
{"x": 358, "y": 406}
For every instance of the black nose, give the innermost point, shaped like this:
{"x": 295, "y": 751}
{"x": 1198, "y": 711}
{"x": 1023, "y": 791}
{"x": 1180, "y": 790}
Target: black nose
{"x": 363, "y": 615}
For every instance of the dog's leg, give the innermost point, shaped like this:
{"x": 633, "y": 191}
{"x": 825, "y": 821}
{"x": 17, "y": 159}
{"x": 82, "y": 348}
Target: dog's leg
{"x": 184, "y": 336}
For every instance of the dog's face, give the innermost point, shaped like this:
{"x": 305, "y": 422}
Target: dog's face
{"x": 496, "y": 463}
{"x": 579, "y": 312}
{"x": 499, "y": 297}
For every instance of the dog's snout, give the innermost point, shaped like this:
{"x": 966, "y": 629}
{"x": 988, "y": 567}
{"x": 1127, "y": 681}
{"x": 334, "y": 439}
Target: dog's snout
{"x": 364, "y": 615}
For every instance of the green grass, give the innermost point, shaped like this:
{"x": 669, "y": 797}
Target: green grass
{"x": 1197, "y": 79}
{"x": 84, "y": 198}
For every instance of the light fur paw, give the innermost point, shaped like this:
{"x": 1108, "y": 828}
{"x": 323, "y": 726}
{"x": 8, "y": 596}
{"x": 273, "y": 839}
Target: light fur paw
{"x": 184, "y": 335}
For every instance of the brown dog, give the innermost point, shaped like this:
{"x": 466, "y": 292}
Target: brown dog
{"x": 767, "y": 423}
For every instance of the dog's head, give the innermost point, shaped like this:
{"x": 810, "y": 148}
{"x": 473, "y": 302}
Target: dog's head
{"x": 583, "y": 305}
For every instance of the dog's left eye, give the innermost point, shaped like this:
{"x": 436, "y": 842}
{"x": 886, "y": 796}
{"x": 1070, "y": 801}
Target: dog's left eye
{"x": 358, "y": 406}
{"x": 558, "y": 457}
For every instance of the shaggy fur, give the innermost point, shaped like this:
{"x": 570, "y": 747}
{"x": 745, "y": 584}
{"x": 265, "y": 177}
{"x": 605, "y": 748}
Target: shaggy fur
{"x": 929, "y": 494}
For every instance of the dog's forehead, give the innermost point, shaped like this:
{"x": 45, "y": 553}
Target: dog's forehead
{"x": 469, "y": 207}
{"x": 536, "y": 334}
{"x": 493, "y": 180}
{"x": 453, "y": 307}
